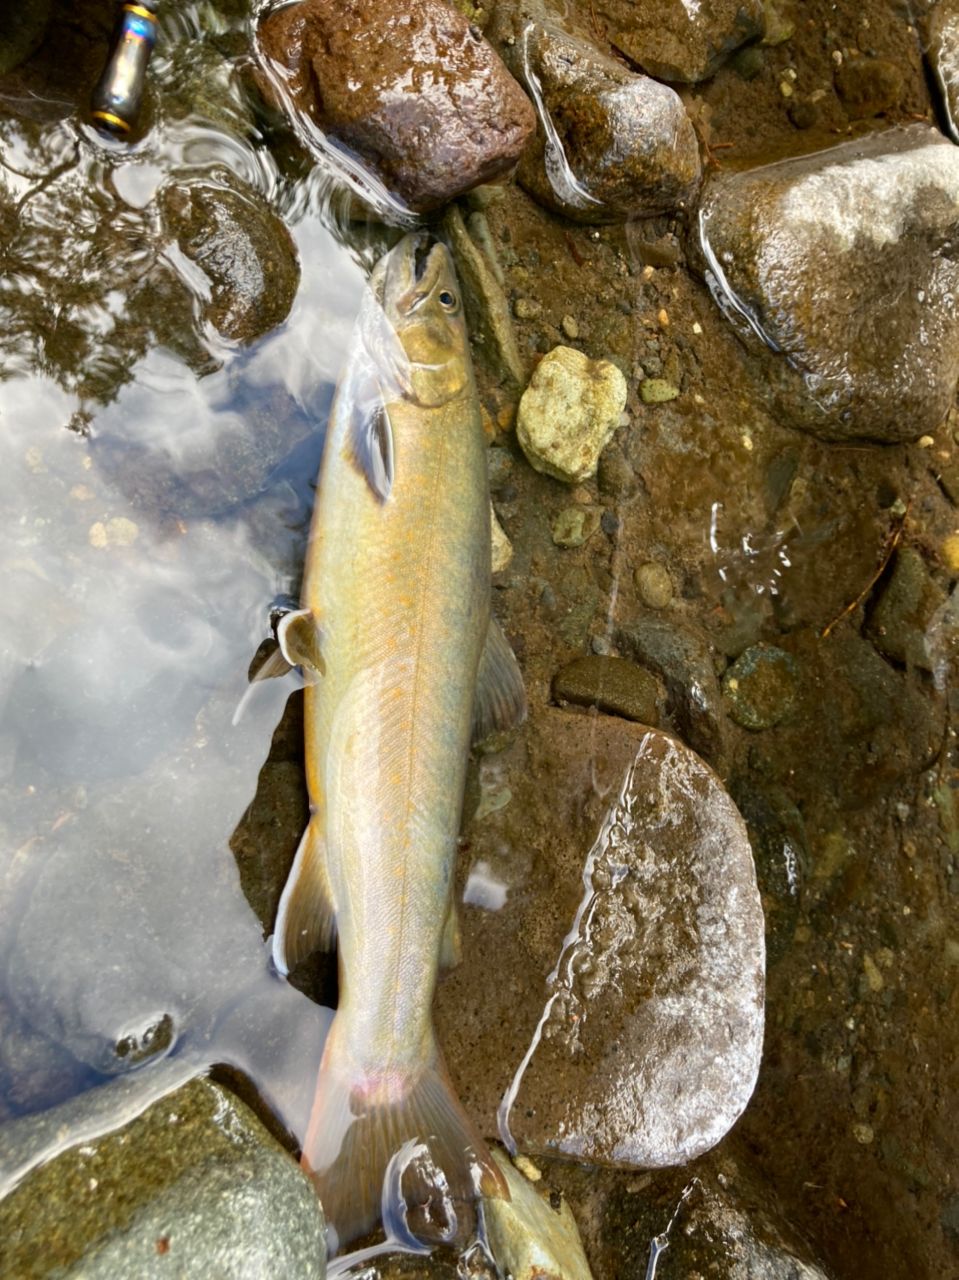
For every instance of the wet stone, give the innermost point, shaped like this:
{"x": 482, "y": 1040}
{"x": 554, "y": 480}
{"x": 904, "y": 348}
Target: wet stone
{"x": 414, "y": 90}
{"x": 672, "y": 40}
{"x": 904, "y": 610}
{"x": 942, "y": 53}
{"x": 682, "y": 657}
{"x": 532, "y": 1239}
{"x": 614, "y": 475}
{"x": 642, "y": 1046}
{"x": 242, "y": 247}
{"x": 657, "y": 391}
{"x": 760, "y": 687}
{"x": 501, "y": 549}
{"x": 569, "y": 412}
{"x": 839, "y": 261}
{"x": 614, "y": 685}
{"x": 612, "y": 145}
{"x": 194, "y": 1186}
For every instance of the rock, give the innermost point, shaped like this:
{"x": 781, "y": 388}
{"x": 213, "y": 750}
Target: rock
{"x": 644, "y": 1046}
{"x": 720, "y": 1219}
{"x": 487, "y": 309}
{"x": 501, "y": 548}
{"x": 868, "y": 86}
{"x": 569, "y": 412}
{"x": 193, "y": 1187}
{"x": 682, "y": 657}
{"x": 904, "y": 610}
{"x": 837, "y": 260}
{"x": 760, "y": 687}
{"x": 674, "y": 40}
{"x": 657, "y": 391}
{"x": 611, "y": 145}
{"x": 777, "y": 835}
{"x": 614, "y": 685}
{"x": 574, "y": 526}
{"x": 529, "y": 1237}
{"x": 242, "y": 247}
{"x": 614, "y": 475}
{"x": 414, "y": 90}
{"x": 942, "y": 53}
{"x": 654, "y": 585}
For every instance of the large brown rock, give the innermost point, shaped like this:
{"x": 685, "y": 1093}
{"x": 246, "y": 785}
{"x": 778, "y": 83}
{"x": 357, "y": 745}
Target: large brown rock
{"x": 412, "y": 88}
{"x": 612, "y": 145}
{"x": 676, "y": 39}
{"x": 621, "y": 978}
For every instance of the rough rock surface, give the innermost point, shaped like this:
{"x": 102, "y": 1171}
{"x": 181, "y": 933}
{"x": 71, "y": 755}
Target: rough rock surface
{"x": 942, "y": 54}
{"x": 676, "y": 40}
{"x": 193, "y": 1187}
{"x": 531, "y": 1238}
{"x": 414, "y": 90}
{"x": 760, "y": 686}
{"x": 569, "y": 412}
{"x": 841, "y": 262}
{"x": 644, "y": 1045}
{"x": 611, "y": 145}
{"x": 905, "y": 609}
{"x": 244, "y": 250}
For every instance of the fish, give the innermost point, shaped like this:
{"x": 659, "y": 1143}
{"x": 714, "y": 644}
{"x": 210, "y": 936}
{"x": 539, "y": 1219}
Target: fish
{"x": 403, "y": 668}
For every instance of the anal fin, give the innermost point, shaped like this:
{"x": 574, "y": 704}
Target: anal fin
{"x": 451, "y": 944}
{"x": 300, "y": 644}
{"x": 306, "y": 917}
{"x": 500, "y": 693}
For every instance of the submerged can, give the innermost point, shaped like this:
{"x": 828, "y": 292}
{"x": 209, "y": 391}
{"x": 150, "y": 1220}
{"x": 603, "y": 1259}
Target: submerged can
{"x": 119, "y": 93}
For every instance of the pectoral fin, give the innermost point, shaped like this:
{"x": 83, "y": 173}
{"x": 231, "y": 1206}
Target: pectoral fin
{"x": 370, "y": 446}
{"x": 305, "y": 919}
{"x": 500, "y": 694}
{"x": 300, "y": 642}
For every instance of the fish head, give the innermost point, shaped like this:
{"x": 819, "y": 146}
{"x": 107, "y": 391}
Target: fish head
{"x": 423, "y": 307}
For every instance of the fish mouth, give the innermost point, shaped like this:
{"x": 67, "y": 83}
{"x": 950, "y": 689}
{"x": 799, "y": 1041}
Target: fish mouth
{"x": 423, "y": 246}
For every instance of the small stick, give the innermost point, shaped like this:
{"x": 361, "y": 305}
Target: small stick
{"x": 891, "y": 543}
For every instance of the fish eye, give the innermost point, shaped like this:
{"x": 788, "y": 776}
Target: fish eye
{"x": 447, "y": 299}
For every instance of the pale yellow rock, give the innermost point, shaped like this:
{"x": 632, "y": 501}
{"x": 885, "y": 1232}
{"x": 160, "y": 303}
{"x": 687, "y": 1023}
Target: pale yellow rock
{"x": 502, "y": 548}
{"x": 530, "y": 1239}
{"x": 569, "y": 412}
{"x": 950, "y": 552}
{"x": 122, "y": 532}
{"x": 97, "y": 535}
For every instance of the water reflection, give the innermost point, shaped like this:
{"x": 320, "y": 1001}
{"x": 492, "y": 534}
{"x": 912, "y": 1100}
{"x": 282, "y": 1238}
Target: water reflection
{"x": 154, "y": 483}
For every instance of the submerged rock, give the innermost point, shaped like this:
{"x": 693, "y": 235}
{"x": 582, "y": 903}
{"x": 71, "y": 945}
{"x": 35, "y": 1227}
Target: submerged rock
{"x": 415, "y": 91}
{"x": 612, "y": 145}
{"x": 627, "y": 879}
{"x": 193, "y": 1187}
{"x": 676, "y": 40}
{"x": 532, "y": 1239}
{"x": 568, "y": 413}
{"x": 760, "y": 687}
{"x": 942, "y": 53}
{"x": 682, "y": 657}
{"x": 242, "y": 248}
{"x": 615, "y": 685}
{"x": 905, "y": 609}
{"x": 841, "y": 261}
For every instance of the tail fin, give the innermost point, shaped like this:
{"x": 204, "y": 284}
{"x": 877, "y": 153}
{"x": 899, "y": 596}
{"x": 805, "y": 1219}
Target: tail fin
{"x": 362, "y": 1119}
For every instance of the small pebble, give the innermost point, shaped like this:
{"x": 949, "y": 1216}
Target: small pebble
{"x": 761, "y": 686}
{"x": 863, "y": 1133}
{"x": 657, "y": 391}
{"x": 569, "y": 327}
{"x": 501, "y": 548}
{"x": 654, "y": 585}
{"x": 574, "y": 526}
{"x": 526, "y": 308}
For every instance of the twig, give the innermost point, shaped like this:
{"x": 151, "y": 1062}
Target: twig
{"x": 892, "y": 541}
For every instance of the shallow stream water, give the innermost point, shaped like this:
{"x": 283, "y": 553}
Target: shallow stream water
{"x": 156, "y": 485}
